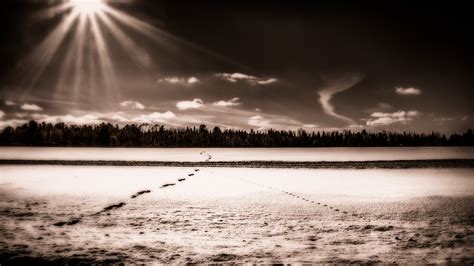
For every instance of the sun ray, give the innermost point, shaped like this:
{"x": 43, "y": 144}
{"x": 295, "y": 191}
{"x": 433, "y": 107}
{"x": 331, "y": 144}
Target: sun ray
{"x": 106, "y": 67}
{"x": 161, "y": 36}
{"x": 67, "y": 71}
{"x": 64, "y": 73}
{"x": 79, "y": 57}
{"x": 52, "y": 11}
{"x": 92, "y": 59}
{"x": 41, "y": 56}
{"x": 139, "y": 55}
{"x": 90, "y": 63}
{"x": 138, "y": 25}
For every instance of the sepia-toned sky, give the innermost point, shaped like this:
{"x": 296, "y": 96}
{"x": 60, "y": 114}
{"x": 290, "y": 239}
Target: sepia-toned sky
{"x": 325, "y": 65}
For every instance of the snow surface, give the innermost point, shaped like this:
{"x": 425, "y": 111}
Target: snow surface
{"x": 235, "y": 215}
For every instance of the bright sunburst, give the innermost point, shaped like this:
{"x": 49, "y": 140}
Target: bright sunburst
{"x": 92, "y": 26}
{"x": 88, "y": 7}
{"x": 88, "y": 62}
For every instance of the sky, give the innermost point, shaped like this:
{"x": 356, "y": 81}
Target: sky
{"x": 313, "y": 65}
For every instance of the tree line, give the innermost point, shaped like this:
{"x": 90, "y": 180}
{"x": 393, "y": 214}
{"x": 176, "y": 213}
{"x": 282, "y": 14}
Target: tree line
{"x": 108, "y": 135}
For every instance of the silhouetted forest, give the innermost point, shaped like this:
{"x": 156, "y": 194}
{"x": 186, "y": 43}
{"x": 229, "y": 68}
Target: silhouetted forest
{"x": 108, "y": 135}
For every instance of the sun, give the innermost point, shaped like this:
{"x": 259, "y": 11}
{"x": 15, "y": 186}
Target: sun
{"x": 88, "y": 7}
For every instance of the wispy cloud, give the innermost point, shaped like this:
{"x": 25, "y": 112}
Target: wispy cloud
{"x": 445, "y": 119}
{"x": 10, "y": 103}
{"x": 232, "y": 102}
{"x": 12, "y": 123}
{"x": 310, "y": 126}
{"x": 179, "y": 80}
{"x": 155, "y": 117}
{"x": 132, "y": 105}
{"x": 21, "y": 115}
{"x": 260, "y": 122}
{"x": 88, "y": 119}
{"x": 268, "y": 81}
{"x": 97, "y": 118}
{"x": 194, "y": 104}
{"x": 383, "y": 119}
{"x": 119, "y": 118}
{"x": 234, "y": 77}
{"x": 225, "y": 118}
{"x": 408, "y": 91}
{"x": 31, "y": 107}
{"x": 333, "y": 87}
{"x": 442, "y": 120}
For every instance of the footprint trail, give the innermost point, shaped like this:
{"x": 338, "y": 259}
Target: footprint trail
{"x": 301, "y": 198}
{"x": 140, "y": 193}
{"x": 75, "y": 220}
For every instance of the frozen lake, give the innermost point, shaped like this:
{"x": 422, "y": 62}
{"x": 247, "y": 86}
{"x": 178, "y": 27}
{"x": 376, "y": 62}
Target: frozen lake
{"x": 98, "y": 181}
{"x": 238, "y": 154}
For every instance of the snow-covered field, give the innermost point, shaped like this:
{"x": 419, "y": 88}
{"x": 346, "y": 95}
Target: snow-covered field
{"x": 179, "y": 215}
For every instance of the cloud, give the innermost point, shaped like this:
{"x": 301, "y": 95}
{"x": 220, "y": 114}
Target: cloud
{"x": 31, "y": 107}
{"x": 309, "y": 126}
{"x": 240, "y": 76}
{"x": 333, "y": 87}
{"x": 232, "y": 102}
{"x": 12, "y": 123}
{"x": 155, "y": 117}
{"x": 268, "y": 81}
{"x": 275, "y": 122}
{"x": 413, "y": 113}
{"x": 158, "y": 115}
{"x": 172, "y": 80}
{"x": 179, "y": 80}
{"x": 2, "y": 114}
{"x": 234, "y": 77}
{"x": 10, "y": 103}
{"x": 383, "y": 119}
{"x": 223, "y": 117}
{"x": 88, "y": 119}
{"x": 259, "y": 122}
{"x": 132, "y": 105}
{"x": 21, "y": 115}
{"x": 442, "y": 120}
{"x": 408, "y": 91}
{"x": 194, "y": 104}
{"x": 120, "y": 118}
{"x": 193, "y": 80}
